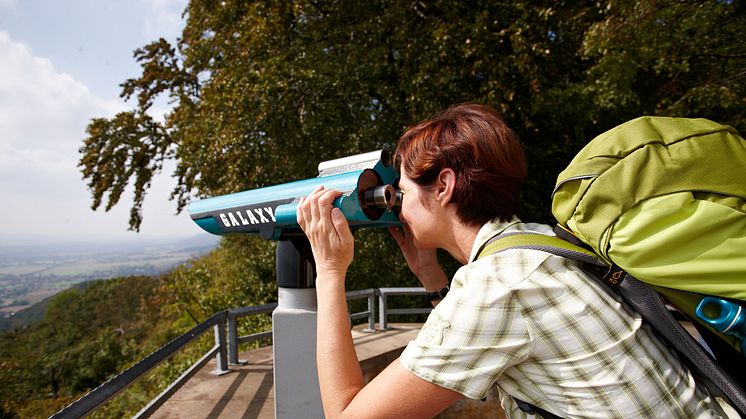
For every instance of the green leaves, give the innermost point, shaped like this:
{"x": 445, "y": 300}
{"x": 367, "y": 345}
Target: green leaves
{"x": 131, "y": 145}
{"x": 264, "y": 91}
{"x": 678, "y": 58}
{"x": 90, "y": 332}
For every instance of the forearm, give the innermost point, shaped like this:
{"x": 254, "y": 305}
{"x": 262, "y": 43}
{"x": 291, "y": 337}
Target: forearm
{"x": 340, "y": 376}
{"x": 433, "y": 280}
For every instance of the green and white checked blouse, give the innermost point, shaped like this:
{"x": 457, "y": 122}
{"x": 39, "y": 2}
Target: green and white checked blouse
{"x": 535, "y": 325}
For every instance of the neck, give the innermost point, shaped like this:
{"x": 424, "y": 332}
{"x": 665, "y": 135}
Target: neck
{"x": 461, "y": 241}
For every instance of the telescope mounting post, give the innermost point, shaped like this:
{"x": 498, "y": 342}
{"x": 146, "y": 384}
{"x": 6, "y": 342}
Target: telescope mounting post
{"x": 296, "y": 381}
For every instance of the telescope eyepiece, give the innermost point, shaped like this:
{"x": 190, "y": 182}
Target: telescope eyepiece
{"x": 381, "y": 196}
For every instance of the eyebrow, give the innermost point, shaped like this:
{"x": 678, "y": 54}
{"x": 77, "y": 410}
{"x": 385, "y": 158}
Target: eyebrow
{"x": 403, "y": 190}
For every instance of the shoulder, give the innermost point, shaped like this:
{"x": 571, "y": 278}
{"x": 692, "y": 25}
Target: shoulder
{"x": 508, "y": 267}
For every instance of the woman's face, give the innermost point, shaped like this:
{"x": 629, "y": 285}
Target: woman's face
{"x": 417, "y": 212}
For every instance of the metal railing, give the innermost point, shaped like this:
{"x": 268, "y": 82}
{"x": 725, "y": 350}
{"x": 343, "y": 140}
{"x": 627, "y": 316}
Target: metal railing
{"x": 384, "y": 293}
{"x": 225, "y": 349}
{"x": 234, "y": 340}
{"x": 370, "y": 314}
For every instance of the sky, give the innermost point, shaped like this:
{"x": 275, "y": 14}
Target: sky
{"x": 61, "y": 63}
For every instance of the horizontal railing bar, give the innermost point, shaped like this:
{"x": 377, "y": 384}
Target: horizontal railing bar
{"x": 395, "y": 311}
{"x": 255, "y": 336}
{"x": 358, "y": 294}
{"x": 112, "y": 387}
{"x": 361, "y": 315}
{"x": 176, "y": 384}
{"x": 115, "y": 385}
{"x": 251, "y": 310}
{"x": 402, "y": 291}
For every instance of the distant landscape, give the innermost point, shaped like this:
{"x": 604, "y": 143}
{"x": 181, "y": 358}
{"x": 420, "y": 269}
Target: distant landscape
{"x": 29, "y": 273}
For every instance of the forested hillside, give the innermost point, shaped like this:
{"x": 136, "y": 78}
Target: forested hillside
{"x": 88, "y": 333}
{"x": 94, "y": 330}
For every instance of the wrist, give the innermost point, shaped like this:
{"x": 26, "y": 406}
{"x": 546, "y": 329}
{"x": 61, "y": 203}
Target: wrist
{"x": 428, "y": 272}
{"x": 324, "y": 270}
{"x": 330, "y": 280}
{"x": 438, "y": 294}
{"x": 433, "y": 281}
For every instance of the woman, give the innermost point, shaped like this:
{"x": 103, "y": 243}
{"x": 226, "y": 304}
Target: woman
{"x": 528, "y": 321}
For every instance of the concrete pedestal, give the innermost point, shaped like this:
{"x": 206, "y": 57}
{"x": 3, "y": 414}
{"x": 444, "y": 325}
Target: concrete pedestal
{"x": 294, "y": 344}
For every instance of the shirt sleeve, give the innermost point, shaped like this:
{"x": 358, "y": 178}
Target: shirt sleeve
{"x": 472, "y": 336}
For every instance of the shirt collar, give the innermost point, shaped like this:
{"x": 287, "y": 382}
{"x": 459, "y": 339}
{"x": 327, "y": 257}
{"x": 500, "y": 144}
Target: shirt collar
{"x": 489, "y": 230}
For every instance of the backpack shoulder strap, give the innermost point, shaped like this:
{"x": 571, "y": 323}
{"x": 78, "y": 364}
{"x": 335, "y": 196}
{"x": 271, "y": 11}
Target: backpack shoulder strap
{"x": 541, "y": 242}
{"x": 642, "y": 298}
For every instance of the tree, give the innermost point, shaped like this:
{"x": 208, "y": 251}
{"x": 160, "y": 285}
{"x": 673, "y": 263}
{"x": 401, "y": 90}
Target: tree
{"x": 90, "y": 332}
{"x": 263, "y": 91}
{"x": 673, "y": 58}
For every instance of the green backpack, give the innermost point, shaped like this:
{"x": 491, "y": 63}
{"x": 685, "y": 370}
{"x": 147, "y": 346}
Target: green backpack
{"x": 664, "y": 199}
{"x": 658, "y": 204}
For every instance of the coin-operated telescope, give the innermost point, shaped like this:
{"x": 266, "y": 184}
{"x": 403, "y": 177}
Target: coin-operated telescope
{"x": 369, "y": 199}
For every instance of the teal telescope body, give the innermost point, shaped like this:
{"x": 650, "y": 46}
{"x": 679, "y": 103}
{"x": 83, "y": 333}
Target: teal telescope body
{"x": 370, "y": 198}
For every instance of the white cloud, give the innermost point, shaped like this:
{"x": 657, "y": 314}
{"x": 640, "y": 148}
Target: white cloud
{"x": 43, "y": 116}
{"x": 164, "y": 18}
{"x": 45, "y": 160}
{"x": 42, "y": 112}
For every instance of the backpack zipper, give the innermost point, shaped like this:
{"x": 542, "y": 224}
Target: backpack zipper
{"x": 570, "y": 179}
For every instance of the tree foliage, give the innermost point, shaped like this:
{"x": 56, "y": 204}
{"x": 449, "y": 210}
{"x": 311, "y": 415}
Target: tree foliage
{"x": 89, "y": 333}
{"x": 223, "y": 279}
{"x": 95, "y": 330}
{"x": 263, "y": 91}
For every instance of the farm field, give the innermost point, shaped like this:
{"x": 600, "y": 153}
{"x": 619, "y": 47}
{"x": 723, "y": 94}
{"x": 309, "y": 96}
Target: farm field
{"x": 30, "y": 273}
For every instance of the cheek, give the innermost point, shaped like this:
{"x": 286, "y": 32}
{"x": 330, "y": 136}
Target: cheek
{"x": 406, "y": 211}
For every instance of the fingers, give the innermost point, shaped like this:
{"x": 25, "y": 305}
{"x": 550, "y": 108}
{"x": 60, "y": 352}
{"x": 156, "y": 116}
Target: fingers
{"x": 299, "y": 215}
{"x": 315, "y": 209}
{"x": 326, "y": 198}
{"x": 304, "y": 211}
{"x": 341, "y": 225}
{"x": 313, "y": 203}
{"x": 326, "y": 229}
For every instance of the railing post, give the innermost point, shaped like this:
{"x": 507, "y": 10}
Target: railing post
{"x": 221, "y": 365}
{"x": 371, "y": 312}
{"x": 233, "y": 340}
{"x": 382, "y": 310}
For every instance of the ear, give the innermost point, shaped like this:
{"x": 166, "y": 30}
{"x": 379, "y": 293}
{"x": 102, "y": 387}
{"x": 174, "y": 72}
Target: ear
{"x": 445, "y": 185}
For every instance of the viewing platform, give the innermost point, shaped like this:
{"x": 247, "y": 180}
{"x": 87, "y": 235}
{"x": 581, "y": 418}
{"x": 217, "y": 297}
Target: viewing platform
{"x": 247, "y": 391}
{"x": 226, "y": 383}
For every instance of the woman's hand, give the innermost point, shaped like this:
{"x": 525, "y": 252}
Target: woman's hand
{"x": 422, "y": 262}
{"x": 327, "y": 230}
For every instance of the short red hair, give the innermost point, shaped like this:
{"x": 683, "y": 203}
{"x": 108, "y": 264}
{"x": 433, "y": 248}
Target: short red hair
{"x": 480, "y": 148}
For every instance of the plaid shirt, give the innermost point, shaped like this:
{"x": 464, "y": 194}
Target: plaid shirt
{"x": 536, "y": 326}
